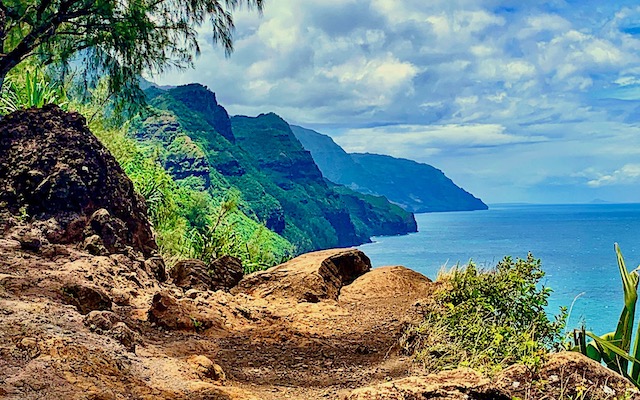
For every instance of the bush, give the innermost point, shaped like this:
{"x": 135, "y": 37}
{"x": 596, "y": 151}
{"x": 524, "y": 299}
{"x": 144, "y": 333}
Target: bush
{"x": 487, "y": 319}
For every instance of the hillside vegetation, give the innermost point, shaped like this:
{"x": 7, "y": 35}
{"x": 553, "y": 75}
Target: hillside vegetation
{"x": 279, "y": 183}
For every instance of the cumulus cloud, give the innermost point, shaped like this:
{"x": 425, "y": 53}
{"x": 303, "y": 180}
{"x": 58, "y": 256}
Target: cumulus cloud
{"x": 627, "y": 174}
{"x": 417, "y": 78}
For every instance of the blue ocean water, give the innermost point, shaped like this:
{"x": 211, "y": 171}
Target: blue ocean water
{"x": 575, "y": 243}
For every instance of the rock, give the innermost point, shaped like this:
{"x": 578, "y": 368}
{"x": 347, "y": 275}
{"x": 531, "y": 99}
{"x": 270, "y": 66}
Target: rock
{"x": 103, "y": 320}
{"x": 205, "y": 368}
{"x": 225, "y": 273}
{"x": 172, "y": 314}
{"x": 459, "y": 384}
{"x": 191, "y": 274}
{"x": 30, "y": 347}
{"x": 565, "y": 375}
{"x": 32, "y": 240}
{"x": 155, "y": 267}
{"x": 385, "y": 282}
{"x": 121, "y": 297}
{"x": 310, "y": 277}
{"x": 93, "y": 245}
{"x": 111, "y": 230}
{"x": 67, "y": 179}
{"x": 86, "y": 298}
{"x": 125, "y": 336}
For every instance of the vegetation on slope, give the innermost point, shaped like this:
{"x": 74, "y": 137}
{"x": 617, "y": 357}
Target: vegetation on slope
{"x": 487, "y": 319}
{"x": 278, "y": 180}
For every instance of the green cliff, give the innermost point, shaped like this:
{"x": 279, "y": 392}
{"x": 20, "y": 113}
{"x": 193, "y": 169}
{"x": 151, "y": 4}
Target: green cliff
{"x": 279, "y": 182}
{"x": 414, "y": 186}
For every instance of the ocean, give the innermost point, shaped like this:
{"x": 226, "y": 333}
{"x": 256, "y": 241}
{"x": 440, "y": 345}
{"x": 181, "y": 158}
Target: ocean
{"x": 574, "y": 242}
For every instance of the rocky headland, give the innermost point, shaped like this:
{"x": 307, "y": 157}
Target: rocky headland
{"x": 88, "y": 309}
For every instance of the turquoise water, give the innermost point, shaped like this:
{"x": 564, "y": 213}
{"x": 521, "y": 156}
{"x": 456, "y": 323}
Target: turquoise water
{"x": 575, "y": 243}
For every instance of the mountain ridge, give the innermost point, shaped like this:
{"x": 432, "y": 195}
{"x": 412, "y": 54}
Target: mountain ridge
{"x": 416, "y": 187}
{"x": 279, "y": 181}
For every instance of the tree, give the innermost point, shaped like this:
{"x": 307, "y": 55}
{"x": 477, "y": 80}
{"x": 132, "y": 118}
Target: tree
{"x": 116, "y": 38}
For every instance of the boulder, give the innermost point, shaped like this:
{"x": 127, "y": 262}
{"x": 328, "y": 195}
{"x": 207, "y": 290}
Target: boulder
{"x": 56, "y": 173}
{"x": 111, "y": 230}
{"x": 155, "y": 267}
{"x": 102, "y": 320}
{"x": 311, "y": 277}
{"x": 86, "y": 298}
{"x": 225, "y": 273}
{"x": 206, "y": 369}
{"x": 125, "y": 336}
{"x": 191, "y": 274}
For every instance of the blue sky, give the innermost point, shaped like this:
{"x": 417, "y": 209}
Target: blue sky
{"x": 516, "y": 101}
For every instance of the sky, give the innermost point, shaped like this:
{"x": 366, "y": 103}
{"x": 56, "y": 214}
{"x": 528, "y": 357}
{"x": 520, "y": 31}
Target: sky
{"x": 516, "y": 101}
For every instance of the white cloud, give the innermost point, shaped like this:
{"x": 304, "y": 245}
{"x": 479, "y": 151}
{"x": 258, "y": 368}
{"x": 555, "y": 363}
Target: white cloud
{"x": 627, "y": 174}
{"x": 403, "y": 139}
{"x": 465, "y": 76}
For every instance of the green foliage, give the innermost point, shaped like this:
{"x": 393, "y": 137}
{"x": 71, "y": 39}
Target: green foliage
{"x": 615, "y": 348}
{"x": 189, "y": 222}
{"x": 30, "y": 87}
{"x": 112, "y": 38}
{"x": 487, "y": 319}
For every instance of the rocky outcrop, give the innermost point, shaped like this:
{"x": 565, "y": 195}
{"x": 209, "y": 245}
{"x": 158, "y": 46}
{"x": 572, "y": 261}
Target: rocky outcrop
{"x": 566, "y": 375}
{"x": 312, "y": 277}
{"x": 223, "y": 273}
{"x": 384, "y": 282}
{"x": 461, "y": 384}
{"x": 56, "y": 174}
{"x": 180, "y": 314}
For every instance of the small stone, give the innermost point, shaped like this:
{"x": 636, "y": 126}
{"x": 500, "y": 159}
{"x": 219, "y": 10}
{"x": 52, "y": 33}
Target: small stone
{"x": 205, "y": 368}
{"x": 124, "y": 335}
{"x": 93, "y": 245}
{"x": 100, "y": 319}
{"x": 86, "y": 298}
{"x": 192, "y": 293}
{"x": 30, "y": 346}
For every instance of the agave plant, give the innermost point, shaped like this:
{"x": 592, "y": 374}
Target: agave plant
{"x": 614, "y": 349}
{"x": 33, "y": 89}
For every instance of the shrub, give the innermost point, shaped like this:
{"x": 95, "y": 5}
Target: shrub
{"x": 487, "y": 319}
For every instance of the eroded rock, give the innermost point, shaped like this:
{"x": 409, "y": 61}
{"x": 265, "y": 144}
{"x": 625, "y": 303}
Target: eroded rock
{"x": 459, "y": 384}
{"x": 207, "y": 369}
{"x": 225, "y": 273}
{"x": 172, "y": 314}
{"x": 53, "y": 169}
{"x": 191, "y": 274}
{"x": 311, "y": 277}
{"x": 86, "y": 298}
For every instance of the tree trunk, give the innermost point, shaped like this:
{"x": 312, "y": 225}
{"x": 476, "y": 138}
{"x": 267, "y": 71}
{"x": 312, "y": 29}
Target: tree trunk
{"x": 3, "y": 35}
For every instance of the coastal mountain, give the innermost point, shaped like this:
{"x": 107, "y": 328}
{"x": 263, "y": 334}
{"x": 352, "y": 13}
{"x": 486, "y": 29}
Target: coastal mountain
{"x": 414, "y": 186}
{"x": 260, "y": 157}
